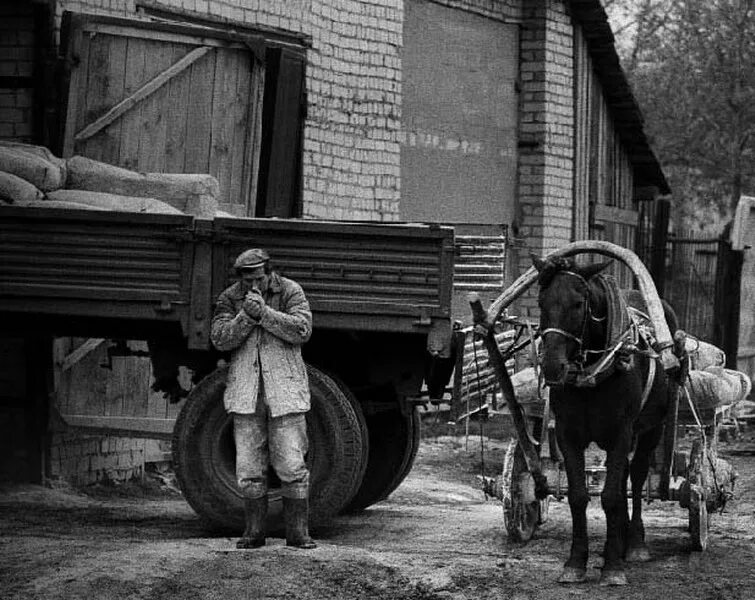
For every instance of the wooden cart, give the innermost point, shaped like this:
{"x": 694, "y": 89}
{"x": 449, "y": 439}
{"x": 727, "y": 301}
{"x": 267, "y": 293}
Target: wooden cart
{"x": 688, "y": 471}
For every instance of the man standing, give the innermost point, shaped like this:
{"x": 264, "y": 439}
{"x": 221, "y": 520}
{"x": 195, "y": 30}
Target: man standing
{"x": 263, "y": 320}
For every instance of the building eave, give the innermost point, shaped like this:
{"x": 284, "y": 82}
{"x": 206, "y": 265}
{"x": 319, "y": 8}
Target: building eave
{"x": 622, "y": 104}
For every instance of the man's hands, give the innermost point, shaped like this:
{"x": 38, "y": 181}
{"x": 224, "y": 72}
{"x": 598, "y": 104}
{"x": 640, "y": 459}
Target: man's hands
{"x": 253, "y": 304}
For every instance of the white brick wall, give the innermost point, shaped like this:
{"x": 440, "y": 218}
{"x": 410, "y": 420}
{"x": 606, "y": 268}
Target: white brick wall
{"x": 83, "y": 460}
{"x": 546, "y": 161}
{"x": 352, "y": 133}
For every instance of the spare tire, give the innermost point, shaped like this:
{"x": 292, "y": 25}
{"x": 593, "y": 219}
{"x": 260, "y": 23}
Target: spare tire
{"x": 204, "y": 454}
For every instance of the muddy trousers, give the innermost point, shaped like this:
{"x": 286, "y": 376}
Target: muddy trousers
{"x": 262, "y": 440}
{"x": 282, "y": 442}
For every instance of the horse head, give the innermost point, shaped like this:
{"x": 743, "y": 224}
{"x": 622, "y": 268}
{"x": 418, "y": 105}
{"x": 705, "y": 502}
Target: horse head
{"x": 571, "y": 308}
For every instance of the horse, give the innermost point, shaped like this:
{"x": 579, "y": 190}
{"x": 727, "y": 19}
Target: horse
{"x": 620, "y": 409}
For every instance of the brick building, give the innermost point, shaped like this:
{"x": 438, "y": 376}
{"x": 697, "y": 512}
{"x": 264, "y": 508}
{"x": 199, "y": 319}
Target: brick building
{"x": 510, "y": 120}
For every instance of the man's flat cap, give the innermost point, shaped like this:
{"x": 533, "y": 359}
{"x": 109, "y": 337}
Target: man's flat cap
{"x": 251, "y": 259}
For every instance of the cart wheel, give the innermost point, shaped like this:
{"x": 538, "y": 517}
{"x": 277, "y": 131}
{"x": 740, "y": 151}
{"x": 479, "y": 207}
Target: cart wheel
{"x": 699, "y": 522}
{"x": 522, "y": 511}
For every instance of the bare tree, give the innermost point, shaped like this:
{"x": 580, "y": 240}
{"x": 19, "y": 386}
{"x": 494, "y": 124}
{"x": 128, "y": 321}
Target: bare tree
{"x": 635, "y": 25}
{"x": 692, "y": 66}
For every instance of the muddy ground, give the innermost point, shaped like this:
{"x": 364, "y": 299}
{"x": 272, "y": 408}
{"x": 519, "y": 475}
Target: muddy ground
{"x": 436, "y": 537}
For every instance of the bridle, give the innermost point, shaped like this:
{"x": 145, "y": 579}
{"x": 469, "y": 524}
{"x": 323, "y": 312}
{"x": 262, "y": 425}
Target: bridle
{"x": 587, "y": 317}
{"x": 626, "y": 341}
{"x": 623, "y": 341}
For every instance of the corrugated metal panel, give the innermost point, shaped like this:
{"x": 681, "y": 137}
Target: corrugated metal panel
{"x": 85, "y": 255}
{"x": 480, "y": 263}
{"x": 400, "y": 268}
{"x": 480, "y": 266}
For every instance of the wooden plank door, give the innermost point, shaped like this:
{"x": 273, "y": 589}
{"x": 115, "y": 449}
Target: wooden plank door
{"x": 157, "y": 97}
{"x": 619, "y": 226}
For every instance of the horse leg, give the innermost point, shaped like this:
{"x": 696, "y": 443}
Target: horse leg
{"x": 637, "y": 550}
{"x": 575, "y": 568}
{"x": 614, "y": 501}
{"x": 624, "y": 532}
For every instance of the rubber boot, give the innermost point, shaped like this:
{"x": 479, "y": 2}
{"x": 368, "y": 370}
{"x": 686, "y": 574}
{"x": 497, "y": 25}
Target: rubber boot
{"x": 296, "y": 514}
{"x": 255, "y": 514}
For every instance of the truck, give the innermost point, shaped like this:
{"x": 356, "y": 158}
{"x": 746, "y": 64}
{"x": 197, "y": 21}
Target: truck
{"x": 381, "y": 301}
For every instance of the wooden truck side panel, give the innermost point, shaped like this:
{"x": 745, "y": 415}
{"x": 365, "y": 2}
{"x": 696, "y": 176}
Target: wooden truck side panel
{"x": 362, "y": 276}
{"x": 131, "y": 274}
{"x": 59, "y": 265}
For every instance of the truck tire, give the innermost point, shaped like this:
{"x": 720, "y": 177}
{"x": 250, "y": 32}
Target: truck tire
{"x": 356, "y": 442}
{"x": 394, "y": 441}
{"x": 410, "y": 454}
{"x": 204, "y": 455}
{"x": 362, "y": 424}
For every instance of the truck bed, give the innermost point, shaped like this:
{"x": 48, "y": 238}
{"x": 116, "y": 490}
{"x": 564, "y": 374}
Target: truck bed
{"x": 113, "y": 274}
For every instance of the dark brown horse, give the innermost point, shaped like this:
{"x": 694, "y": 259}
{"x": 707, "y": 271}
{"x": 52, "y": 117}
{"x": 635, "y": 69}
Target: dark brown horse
{"x": 620, "y": 409}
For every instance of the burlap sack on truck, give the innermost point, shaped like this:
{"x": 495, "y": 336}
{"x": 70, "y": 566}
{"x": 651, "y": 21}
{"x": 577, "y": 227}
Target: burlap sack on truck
{"x": 194, "y": 194}
{"x": 114, "y": 202}
{"x": 16, "y": 190}
{"x": 40, "y": 151}
{"x": 35, "y": 164}
{"x": 62, "y": 204}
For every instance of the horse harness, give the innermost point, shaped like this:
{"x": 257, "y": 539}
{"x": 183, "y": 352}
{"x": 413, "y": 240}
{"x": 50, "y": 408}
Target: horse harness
{"x": 628, "y": 332}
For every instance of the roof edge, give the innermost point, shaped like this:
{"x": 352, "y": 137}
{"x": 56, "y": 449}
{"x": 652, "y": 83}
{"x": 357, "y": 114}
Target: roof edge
{"x": 622, "y": 104}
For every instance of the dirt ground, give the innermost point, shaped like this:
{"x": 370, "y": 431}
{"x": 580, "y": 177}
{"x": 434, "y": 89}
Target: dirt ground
{"x": 436, "y": 537}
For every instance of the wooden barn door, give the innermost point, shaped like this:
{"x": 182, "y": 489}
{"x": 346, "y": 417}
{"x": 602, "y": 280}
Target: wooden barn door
{"x": 163, "y": 97}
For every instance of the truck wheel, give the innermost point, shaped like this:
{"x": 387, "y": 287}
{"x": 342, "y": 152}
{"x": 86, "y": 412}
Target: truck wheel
{"x": 394, "y": 441}
{"x": 204, "y": 454}
{"x": 362, "y": 424}
{"x": 410, "y": 453}
{"x": 343, "y": 424}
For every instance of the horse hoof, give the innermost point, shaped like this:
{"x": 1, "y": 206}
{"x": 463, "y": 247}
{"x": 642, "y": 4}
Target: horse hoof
{"x": 572, "y": 575}
{"x": 613, "y": 578}
{"x": 638, "y": 554}
{"x": 248, "y": 543}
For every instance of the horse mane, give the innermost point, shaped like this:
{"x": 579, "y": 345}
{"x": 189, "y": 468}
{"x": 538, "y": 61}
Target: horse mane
{"x": 551, "y": 267}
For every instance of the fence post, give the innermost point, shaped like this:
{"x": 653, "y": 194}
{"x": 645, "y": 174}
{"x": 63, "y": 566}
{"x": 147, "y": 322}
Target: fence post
{"x": 658, "y": 247}
{"x": 727, "y": 299}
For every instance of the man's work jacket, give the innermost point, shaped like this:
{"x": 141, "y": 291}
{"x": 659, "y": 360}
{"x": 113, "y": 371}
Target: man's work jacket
{"x": 269, "y": 348}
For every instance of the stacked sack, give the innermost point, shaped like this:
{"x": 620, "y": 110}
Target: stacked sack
{"x": 34, "y": 176}
{"x": 710, "y": 385}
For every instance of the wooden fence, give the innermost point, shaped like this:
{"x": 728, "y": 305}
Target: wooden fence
{"x": 690, "y": 285}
